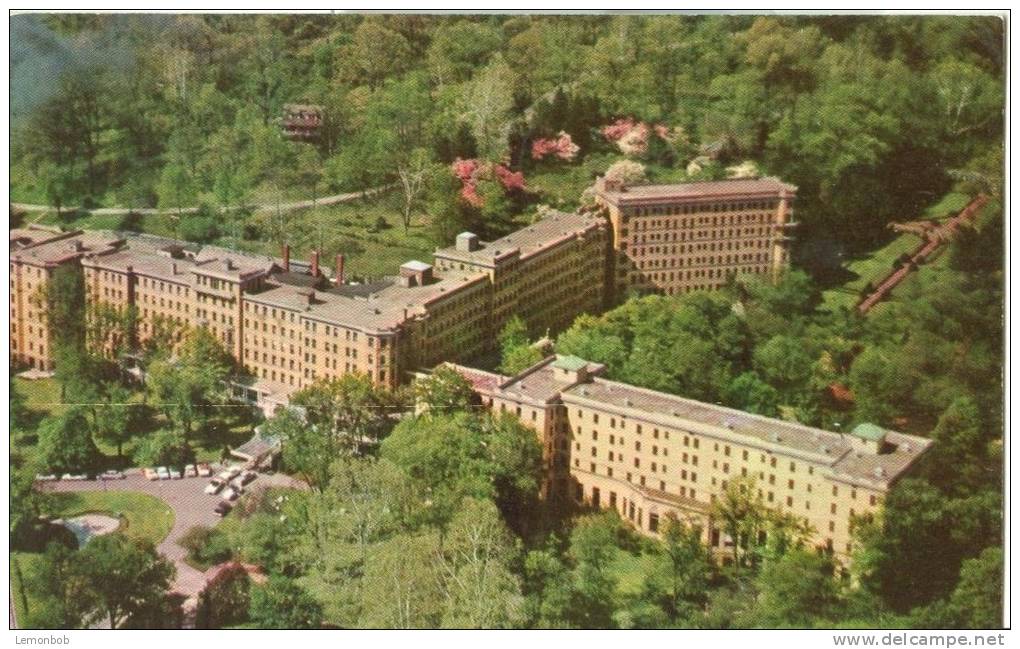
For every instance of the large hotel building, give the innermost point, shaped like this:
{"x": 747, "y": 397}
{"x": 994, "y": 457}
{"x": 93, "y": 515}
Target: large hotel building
{"x": 647, "y": 454}
{"x": 673, "y": 239}
{"x": 643, "y": 453}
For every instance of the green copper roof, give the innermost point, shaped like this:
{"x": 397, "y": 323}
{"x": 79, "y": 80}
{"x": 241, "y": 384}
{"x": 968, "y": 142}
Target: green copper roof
{"x": 869, "y": 432}
{"x": 570, "y": 363}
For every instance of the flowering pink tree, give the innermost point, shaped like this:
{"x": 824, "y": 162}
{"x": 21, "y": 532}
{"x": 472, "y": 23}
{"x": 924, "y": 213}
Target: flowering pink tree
{"x": 562, "y": 147}
{"x": 632, "y": 137}
{"x": 471, "y": 172}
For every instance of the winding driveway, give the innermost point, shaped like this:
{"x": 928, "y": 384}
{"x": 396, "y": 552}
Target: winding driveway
{"x": 283, "y": 207}
{"x": 190, "y": 506}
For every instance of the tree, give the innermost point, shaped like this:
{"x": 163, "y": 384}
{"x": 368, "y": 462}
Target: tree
{"x": 117, "y": 420}
{"x": 65, "y": 443}
{"x": 188, "y": 387}
{"x": 482, "y": 591}
{"x": 592, "y": 549}
{"x": 282, "y": 604}
{"x": 517, "y": 352}
{"x": 795, "y": 590}
{"x": 452, "y": 456}
{"x": 401, "y": 587}
{"x": 743, "y": 515}
{"x": 225, "y": 599}
{"x": 976, "y": 602}
{"x": 58, "y": 590}
{"x": 163, "y": 448}
{"x": 748, "y": 392}
{"x": 784, "y": 364}
{"x": 306, "y": 451}
{"x": 958, "y": 458}
{"x": 445, "y": 390}
{"x": 125, "y": 577}
{"x": 456, "y": 50}
{"x": 678, "y": 578}
{"x": 414, "y": 177}
{"x": 374, "y": 54}
{"x": 487, "y": 102}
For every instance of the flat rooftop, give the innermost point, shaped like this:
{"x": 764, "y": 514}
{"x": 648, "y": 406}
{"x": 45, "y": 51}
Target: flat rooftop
{"x": 750, "y": 188}
{"x": 36, "y": 248}
{"x": 381, "y": 306}
{"x": 815, "y": 444}
{"x": 545, "y": 233}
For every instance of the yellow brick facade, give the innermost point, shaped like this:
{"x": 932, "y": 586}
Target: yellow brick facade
{"x": 673, "y": 239}
{"x": 647, "y": 454}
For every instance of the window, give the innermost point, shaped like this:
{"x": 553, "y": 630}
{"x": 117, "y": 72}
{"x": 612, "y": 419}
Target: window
{"x": 653, "y": 522}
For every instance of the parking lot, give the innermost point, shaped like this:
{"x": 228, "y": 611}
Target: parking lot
{"x": 190, "y": 505}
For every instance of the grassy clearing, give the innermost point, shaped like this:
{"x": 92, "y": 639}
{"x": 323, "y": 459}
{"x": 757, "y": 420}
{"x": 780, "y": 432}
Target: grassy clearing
{"x": 146, "y": 517}
{"x": 873, "y": 267}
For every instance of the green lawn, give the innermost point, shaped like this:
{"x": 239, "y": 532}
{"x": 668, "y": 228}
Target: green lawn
{"x": 41, "y": 395}
{"x": 874, "y": 266}
{"x": 146, "y": 517}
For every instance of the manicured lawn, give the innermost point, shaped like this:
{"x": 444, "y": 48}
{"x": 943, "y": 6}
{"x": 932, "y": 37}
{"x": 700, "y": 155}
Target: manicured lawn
{"x": 147, "y": 518}
{"x": 874, "y": 266}
{"x": 629, "y": 570}
{"x": 41, "y": 395}
{"x": 868, "y": 268}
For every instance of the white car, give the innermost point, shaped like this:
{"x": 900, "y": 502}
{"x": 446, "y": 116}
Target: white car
{"x": 230, "y": 473}
{"x": 204, "y": 470}
{"x": 112, "y": 474}
{"x": 214, "y": 486}
{"x": 46, "y": 478}
{"x": 163, "y": 472}
{"x": 150, "y": 473}
{"x": 175, "y": 474}
{"x": 231, "y": 493}
{"x": 74, "y": 476}
{"x": 190, "y": 471}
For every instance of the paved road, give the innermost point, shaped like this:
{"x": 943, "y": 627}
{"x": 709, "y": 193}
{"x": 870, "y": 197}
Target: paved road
{"x": 190, "y": 505}
{"x": 283, "y": 207}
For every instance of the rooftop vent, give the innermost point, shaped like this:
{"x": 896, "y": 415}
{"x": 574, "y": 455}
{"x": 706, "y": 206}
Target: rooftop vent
{"x": 775, "y": 437}
{"x": 584, "y": 391}
{"x": 627, "y": 401}
{"x": 467, "y": 242}
{"x": 826, "y": 450}
{"x": 879, "y": 472}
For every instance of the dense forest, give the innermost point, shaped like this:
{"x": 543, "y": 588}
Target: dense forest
{"x": 872, "y": 117}
{"x": 477, "y": 121}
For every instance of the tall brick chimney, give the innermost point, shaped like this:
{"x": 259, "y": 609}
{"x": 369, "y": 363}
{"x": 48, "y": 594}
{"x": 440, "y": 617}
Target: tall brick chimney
{"x": 315, "y": 263}
{"x": 286, "y": 257}
{"x": 339, "y": 270}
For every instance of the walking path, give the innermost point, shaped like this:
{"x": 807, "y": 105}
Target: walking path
{"x": 282, "y": 207}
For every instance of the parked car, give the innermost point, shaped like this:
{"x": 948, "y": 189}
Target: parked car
{"x": 150, "y": 473}
{"x": 230, "y": 473}
{"x": 204, "y": 469}
{"x": 112, "y": 474}
{"x": 45, "y": 478}
{"x": 164, "y": 473}
{"x": 232, "y": 493}
{"x": 175, "y": 474}
{"x": 190, "y": 471}
{"x": 223, "y": 508}
{"x": 248, "y": 476}
{"x": 74, "y": 476}
{"x": 214, "y": 486}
